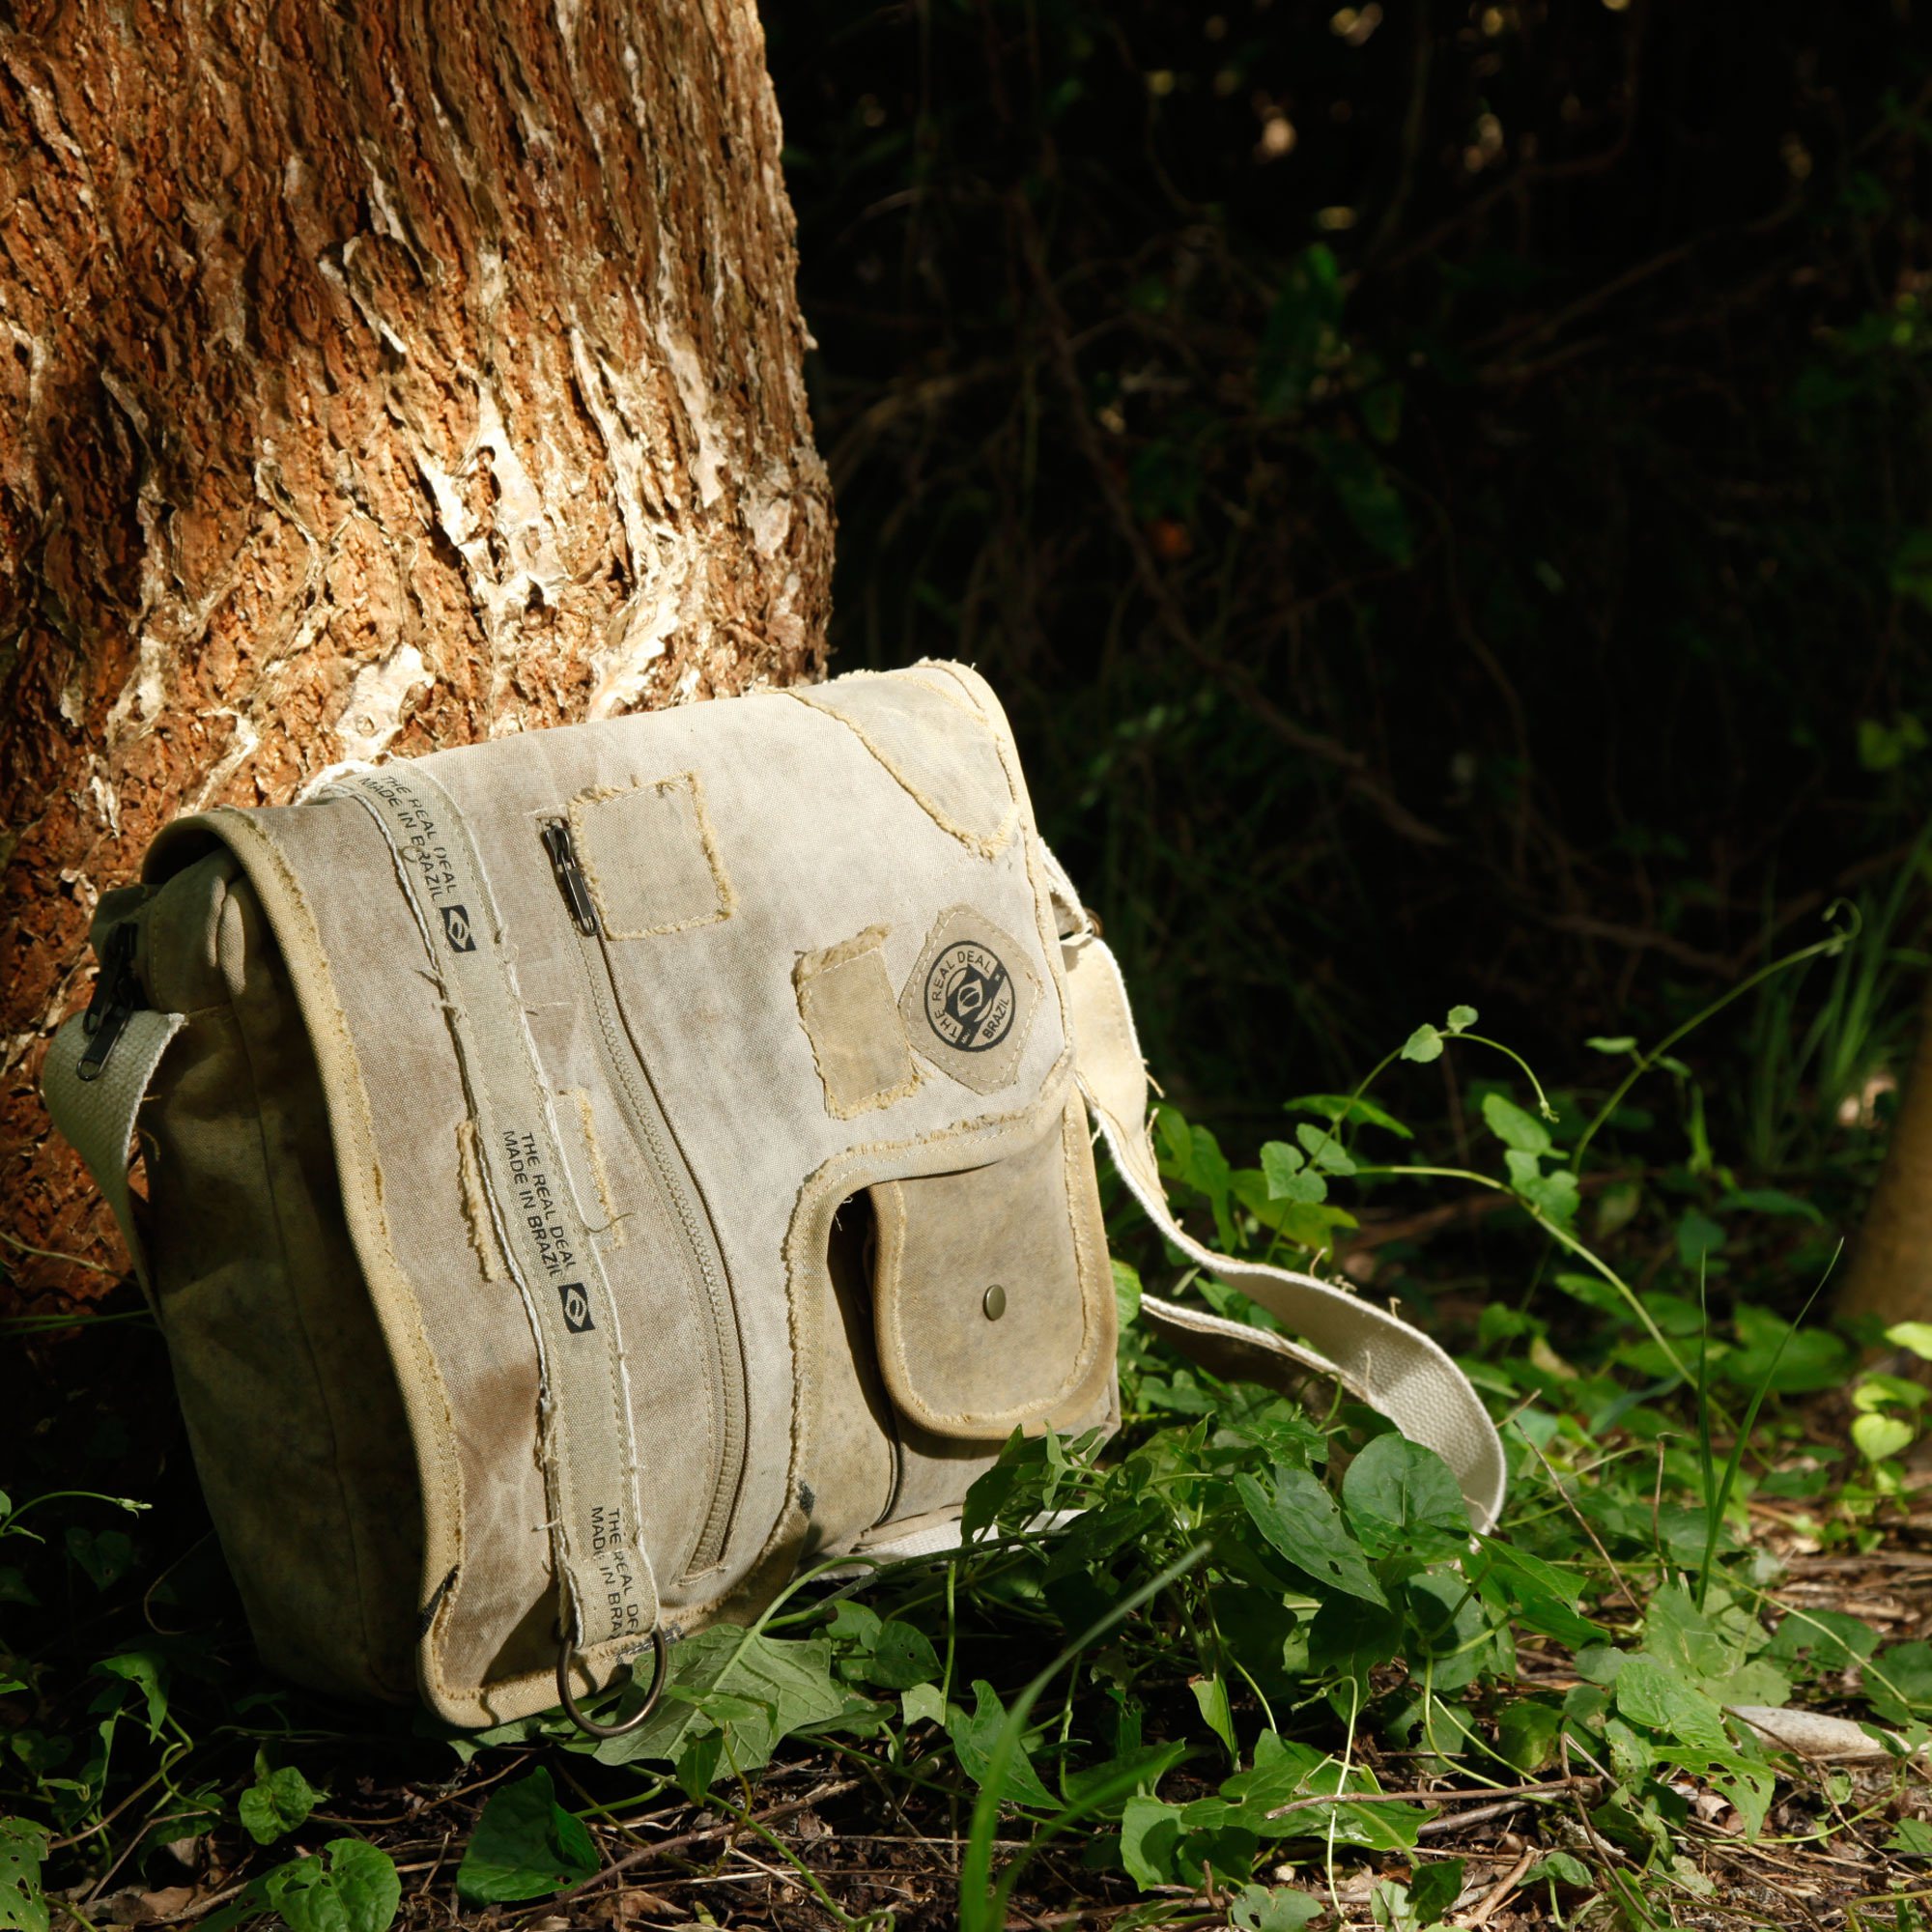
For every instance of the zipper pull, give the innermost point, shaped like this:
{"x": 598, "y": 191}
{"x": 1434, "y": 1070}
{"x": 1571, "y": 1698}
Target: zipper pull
{"x": 576, "y": 887}
{"x": 116, "y": 995}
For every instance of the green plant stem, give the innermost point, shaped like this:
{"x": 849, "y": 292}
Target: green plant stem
{"x": 1820, "y": 949}
{"x": 1556, "y": 1232}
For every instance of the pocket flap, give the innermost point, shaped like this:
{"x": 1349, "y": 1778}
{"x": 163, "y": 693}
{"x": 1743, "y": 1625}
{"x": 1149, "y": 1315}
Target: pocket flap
{"x": 993, "y": 1297}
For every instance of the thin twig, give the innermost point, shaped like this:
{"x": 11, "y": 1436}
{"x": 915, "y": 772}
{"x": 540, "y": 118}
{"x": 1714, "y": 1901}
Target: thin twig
{"x": 1419, "y": 1795}
{"x": 666, "y": 1846}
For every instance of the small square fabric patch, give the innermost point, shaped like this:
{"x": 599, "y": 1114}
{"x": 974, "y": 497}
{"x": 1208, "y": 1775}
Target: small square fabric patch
{"x": 970, "y": 1002}
{"x": 649, "y": 857}
{"x": 857, "y": 1039}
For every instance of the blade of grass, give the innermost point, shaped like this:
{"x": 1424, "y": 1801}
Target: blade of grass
{"x": 983, "y": 1906}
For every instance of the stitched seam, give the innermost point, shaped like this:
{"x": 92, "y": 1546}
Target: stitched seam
{"x": 986, "y": 845}
{"x": 809, "y": 969}
{"x": 352, "y": 1121}
{"x": 1000, "y": 1067}
{"x": 600, "y": 1176}
{"x": 707, "y": 840}
{"x": 804, "y": 1309}
{"x": 1083, "y": 1362}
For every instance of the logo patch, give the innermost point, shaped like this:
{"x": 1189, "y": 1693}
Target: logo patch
{"x": 576, "y": 1307}
{"x": 456, "y": 928}
{"x": 969, "y": 1001}
{"x": 970, "y": 998}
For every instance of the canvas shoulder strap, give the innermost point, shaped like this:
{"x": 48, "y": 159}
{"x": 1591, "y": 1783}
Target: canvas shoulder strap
{"x": 1375, "y": 1355}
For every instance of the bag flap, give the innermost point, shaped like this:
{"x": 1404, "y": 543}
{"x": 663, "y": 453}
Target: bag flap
{"x": 993, "y": 1297}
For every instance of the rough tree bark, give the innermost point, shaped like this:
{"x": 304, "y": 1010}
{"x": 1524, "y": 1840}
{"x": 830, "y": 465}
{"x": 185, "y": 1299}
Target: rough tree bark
{"x": 1890, "y": 1269}
{"x": 376, "y": 378}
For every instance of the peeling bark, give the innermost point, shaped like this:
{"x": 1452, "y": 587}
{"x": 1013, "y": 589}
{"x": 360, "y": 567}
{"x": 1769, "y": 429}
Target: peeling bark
{"x": 375, "y": 378}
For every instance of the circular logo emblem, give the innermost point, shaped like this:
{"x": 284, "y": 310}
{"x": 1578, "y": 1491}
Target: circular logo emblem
{"x": 969, "y": 1001}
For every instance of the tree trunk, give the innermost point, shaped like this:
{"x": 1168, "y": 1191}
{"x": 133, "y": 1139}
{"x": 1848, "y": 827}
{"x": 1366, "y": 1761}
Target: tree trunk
{"x": 1889, "y": 1273}
{"x": 377, "y": 378}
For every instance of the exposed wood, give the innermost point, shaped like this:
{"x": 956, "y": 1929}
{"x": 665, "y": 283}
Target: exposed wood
{"x": 375, "y": 378}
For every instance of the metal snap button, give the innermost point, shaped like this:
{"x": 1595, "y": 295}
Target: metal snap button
{"x": 995, "y": 1303}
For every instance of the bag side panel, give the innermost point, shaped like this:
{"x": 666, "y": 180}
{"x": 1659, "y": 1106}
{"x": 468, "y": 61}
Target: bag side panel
{"x": 292, "y": 1406}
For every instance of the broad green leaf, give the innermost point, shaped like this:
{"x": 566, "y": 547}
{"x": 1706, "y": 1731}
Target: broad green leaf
{"x": 1648, "y": 1694}
{"x": 697, "y": 1766}
{"x": 1542, "y": 1596}
{"x": 1322, "y": 1148}
{"x": 353, "y": 1888}
{"x": 1257, "y": 1907}
{"x": 1349, "y": 1638}
{"x": 1285, "y": 1770}
{"x": 1402, "y": 1497}
{"x": 1553, "y": 1195}
{"x": 1824, "y": 1639}
{"x": 787, "y": 1682}
{"x": 1912, "y": 1836}
{"x": 1423, "y": 1045}
{"x": 1448, "y": 1631}
{"x": 1697, "y": 1236}
{"x": 1210, "y": 1693}
{"x": 276, "y": 1803}
{"x": 1526, "y": 1734}
{"x": 106, "y": 1554}
{"x": 1298, "y": 1516}
{"x": 1435, "y": 1889}
{"x": 1150, "y": 1835}
{"x": 23, "y": 1906}
{"x": 1881, "y": 1435}
{"x": 1126, "y": 1293}
{"x": 1913, "y": 1335}
{"x": 1461, "y": 1019}
{"x": 1513, "y": 1126}
{"x": 525, "y": 1845}
{"x": 974, "y": 1738}
{"x": 1771, "y": 1201}
{"x": 1898, "y": 1681}
{"x": 1563, "y": 1867}
{"x": 1289, "y": 1176}
{"x": 1787, "y": 1360}
{"x": 148, "y": 1672}
{"x": 1342, "y": 1108}
{"x": 902, "y": 1657}
{"x": 922, "y": 1702}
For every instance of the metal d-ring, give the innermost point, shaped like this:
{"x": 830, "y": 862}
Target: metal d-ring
{"x": 659, "y": 1671}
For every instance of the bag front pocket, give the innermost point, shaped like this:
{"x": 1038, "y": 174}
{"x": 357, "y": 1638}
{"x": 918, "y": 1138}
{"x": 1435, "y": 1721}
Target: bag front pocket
{"x": 993, "y": 1300}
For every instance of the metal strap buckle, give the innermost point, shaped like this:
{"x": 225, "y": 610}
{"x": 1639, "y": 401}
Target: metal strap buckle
{"x": 659, "y": 1672}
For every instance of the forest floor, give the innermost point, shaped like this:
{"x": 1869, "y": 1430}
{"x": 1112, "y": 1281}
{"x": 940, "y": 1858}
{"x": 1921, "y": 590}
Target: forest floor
{"x": 1267, "y": 1681}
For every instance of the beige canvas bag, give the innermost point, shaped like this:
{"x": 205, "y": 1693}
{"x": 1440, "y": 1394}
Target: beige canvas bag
{"x": 594, "y": 1174}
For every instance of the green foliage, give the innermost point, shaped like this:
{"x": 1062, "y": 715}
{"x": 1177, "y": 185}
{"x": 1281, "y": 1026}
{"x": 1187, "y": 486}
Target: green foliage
{"x": 350, "y": 1887}
{"x": 1256, "y": 1603}
{"x": 525, "y": 1845}
{"x": 23, "y": 1845}
{"x": 276, "y": 1804}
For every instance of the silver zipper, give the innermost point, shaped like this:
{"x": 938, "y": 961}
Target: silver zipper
{"x": 677, "y": 1188}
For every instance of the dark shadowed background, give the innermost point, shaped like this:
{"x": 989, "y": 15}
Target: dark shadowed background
{"x": 1442, "y": 490}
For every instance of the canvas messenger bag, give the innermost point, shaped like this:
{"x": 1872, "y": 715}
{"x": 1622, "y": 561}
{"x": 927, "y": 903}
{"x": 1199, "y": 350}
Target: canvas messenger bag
{"x": 594, "y": 1174}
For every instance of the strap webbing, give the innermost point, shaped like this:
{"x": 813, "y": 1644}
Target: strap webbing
{"x": 1374, "y": 1354}
{"x": 97, "y": 1115}
{"x": 589, "y": 1447}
